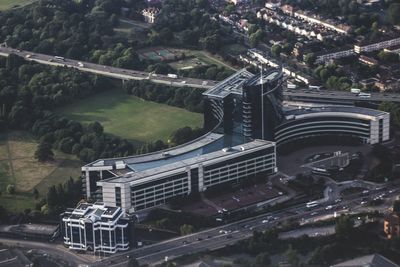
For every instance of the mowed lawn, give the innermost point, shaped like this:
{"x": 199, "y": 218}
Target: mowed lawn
{"x": 7, "y": 4}
{"x": 131, "y": 117}
{"x": 18, "y": 167}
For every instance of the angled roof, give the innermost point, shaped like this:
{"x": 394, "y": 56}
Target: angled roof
{"x": 373, "y": 260}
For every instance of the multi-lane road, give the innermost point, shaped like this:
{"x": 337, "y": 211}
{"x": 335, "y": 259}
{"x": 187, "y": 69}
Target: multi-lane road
{"x": 307, "y": 95}
{"x": 337, "y": 97}
{"x": 113, "y": 72}
{"x": 217, "y": 237}
{"x": 229, "y": 234}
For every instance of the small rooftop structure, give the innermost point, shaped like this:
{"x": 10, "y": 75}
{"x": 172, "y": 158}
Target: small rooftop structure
{"x": 231, "y": 85}
{"x": 93, "y": 212}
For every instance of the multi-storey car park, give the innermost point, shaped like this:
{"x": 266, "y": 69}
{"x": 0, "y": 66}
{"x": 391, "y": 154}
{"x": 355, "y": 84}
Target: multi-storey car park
{"x": 246, "y": 118}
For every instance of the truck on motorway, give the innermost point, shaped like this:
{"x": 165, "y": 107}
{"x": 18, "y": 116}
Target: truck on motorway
{"x": 59, "y": 58}
{"x": 355, "y": 90}
{"x": 80, "y": 64}
{"x": 364, "y": 95}
{"x": 312, "y": 204}
{"x": 173, "y": 76}
{"x": 291, "y": 86}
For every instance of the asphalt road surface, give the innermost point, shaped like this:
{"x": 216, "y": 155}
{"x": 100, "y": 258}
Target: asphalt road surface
{"x": 229, "y": 234}
{"x": 333, "y": 97}
{"x": 213, "y": 238}
{"x": 124, "y": 74}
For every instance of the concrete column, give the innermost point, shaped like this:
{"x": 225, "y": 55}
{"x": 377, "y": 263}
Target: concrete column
{"x": 87, "y": 184}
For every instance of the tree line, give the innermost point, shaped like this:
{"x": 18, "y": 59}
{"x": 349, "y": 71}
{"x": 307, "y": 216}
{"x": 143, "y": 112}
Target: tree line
{"x": 183, "y": 97}
{"x": 30, "y": 92}
{"x": 188, "y": 24}
{"x": 75, "y": 29}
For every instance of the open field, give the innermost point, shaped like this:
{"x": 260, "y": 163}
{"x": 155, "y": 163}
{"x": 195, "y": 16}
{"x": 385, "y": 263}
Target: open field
{"x": 19, "y": 167}
{"x": 187, "y": 63}
{"x": 131, "y": 117}
{"x": 206, "y": 57}
{"x": 7, "y": 4}
{"x": 193, "y": 57}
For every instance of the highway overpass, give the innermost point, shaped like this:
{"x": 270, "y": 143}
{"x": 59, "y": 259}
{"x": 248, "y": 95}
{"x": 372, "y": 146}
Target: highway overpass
{"x": 301, "y": 95}
{"x": 108, "y": 71}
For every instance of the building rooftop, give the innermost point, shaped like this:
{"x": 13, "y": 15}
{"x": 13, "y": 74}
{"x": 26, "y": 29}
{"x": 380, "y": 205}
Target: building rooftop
{"x": 265, "y": 77}
{"x": 93, "y": 212}
{"x": 176, "y": 167}
{"x": 392, "y": 218}
{"x": 373, "y": 260}
{"x": 303, "y": 109}
{"x": 127, "y": 164}
{"x": 231, "y": 85}
{"x": 382, "y": 39}
{"x": 39, "y": 229}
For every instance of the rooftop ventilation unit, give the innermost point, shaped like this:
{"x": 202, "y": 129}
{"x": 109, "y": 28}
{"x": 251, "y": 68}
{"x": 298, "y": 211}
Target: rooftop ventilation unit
{"x": 119, "y": 165}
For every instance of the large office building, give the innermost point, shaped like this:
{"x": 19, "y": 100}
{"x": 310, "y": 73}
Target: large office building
{"x": 306, "y": 121}
{"x": 96, "y": 227}
{"x": 246, "y": 105}
{"x": 160, "y": 177}
{"x": 246, "y": 118}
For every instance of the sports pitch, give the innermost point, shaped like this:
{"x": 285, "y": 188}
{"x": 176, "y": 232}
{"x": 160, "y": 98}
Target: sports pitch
{"x": 131, "y": 117}
{"x": 157, "y": 54}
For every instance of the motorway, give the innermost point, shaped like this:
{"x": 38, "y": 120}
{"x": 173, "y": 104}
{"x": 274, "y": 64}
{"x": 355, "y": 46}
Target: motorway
{"x": 306, "y": 95}
{"x": 217, "y": 237}
{"x": 229, "y": 234}
{"x": 113, "y": 72}
{"x": 337, "y": 97}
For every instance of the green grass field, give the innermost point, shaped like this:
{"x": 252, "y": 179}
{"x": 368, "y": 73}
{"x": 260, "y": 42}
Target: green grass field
{"x": 19, "y": 168}
{"x": 7, "y": 4}
{"x": 188, "y": 63}
{"x": 131, "y": 117}
{"x": 208, "y": 58}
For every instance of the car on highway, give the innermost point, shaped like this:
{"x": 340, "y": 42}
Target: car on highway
{"x": 314, "y": 213}
{"x": 265, "y": 221}
{"x": 328, "y": 207}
